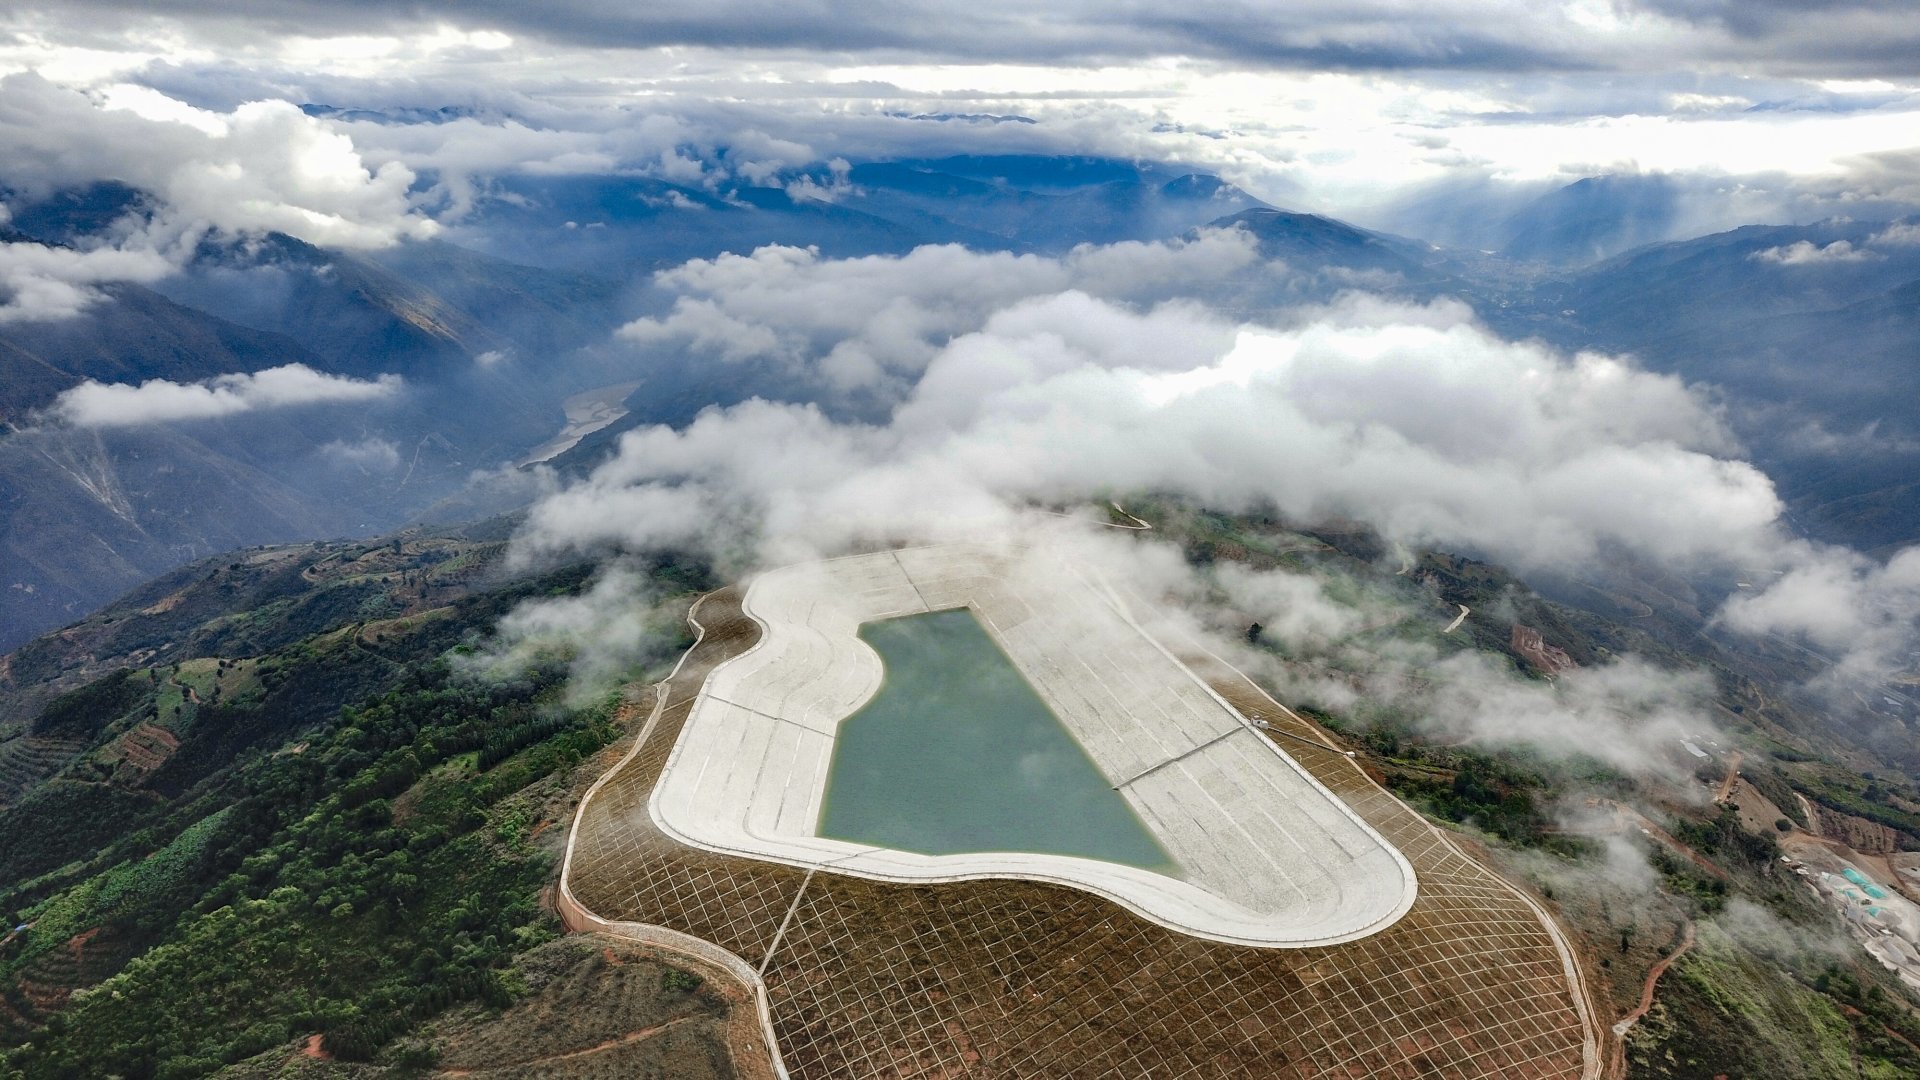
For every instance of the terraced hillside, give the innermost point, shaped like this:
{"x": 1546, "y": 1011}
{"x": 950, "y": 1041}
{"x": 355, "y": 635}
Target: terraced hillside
{"x": 1019, "y": 979}
{"x": 263, "y": 778}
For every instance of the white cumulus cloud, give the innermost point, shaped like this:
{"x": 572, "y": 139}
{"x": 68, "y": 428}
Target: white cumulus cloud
{"x": 264, "y": 165}
{"x": 42, "y": 282}
{"x": 1808, "y": 253}
{"x": 159, "y": 401}
{"x": 873, "y": 324}
{"x": 1414, "y": 419}
{"x": 369, "y": 455}
{"x": 1898, "y": 234}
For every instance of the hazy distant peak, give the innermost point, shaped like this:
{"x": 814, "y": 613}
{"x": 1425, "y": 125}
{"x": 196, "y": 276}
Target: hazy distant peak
{"x": 1593, "y": 218}
{"x": 396, "y": 114}
{"x": 1205, "y": 186}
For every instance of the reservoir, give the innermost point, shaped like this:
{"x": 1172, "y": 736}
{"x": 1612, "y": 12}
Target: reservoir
{"x": 957, "y": 753}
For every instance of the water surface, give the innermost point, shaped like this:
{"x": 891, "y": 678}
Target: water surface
{"x": 957, "y": 753}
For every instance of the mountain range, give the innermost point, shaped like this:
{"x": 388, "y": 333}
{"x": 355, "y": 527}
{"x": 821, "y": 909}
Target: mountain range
{"x": 510, "y": 311}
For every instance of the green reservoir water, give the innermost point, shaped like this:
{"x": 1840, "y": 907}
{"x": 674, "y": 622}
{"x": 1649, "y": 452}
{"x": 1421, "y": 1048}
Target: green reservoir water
{"x": 957, "y": 753}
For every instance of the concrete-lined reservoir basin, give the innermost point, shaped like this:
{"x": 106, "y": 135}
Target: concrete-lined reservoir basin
{"x": 1266, "y": 855}
{"x": 957, "y": 753}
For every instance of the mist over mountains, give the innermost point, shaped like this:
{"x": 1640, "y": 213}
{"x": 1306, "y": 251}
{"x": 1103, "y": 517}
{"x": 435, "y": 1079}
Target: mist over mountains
{"x": 1524, "y": 399}
{"x": 551, "y": 286}
{"x": 248, "y": 306}
{"x": 477, "y": 353}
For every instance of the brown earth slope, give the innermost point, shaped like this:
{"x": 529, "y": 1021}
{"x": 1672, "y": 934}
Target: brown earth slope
{"x": 1019, "y": 979}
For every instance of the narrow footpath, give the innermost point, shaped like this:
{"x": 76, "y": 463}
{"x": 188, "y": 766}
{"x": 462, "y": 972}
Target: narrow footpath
{"x": 1653, "y": 980}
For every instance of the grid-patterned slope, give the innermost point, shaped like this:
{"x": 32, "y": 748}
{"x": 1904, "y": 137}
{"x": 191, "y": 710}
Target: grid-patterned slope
{"x": 1008, "y": 979}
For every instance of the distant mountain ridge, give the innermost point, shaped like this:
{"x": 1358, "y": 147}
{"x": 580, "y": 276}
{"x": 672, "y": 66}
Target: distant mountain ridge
{"x": 1592, "y": 219}
{"x": 1804, "y": 329}
{"x": 1314, "y": 242}
{"x": 88, "y": 513}
{"x": 1810, "y": 334}
{"x": 488, "y": 346}
{"x": 131, "y": 335}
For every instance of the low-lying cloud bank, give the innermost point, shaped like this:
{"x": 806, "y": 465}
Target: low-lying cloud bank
{"x": 1807, "y": 253}
{"x": 158, "y": 401}
{"x": 1369, "y": 653}
{"x": 603, "y": 633}
{"x": 1864, "y": 614}
{"x": 1051, "y": 381}
{"x": 870, "y": 327}
{"x": 41, "y": 282}
{"x": 263, "y": 166}
{"x": 1412, "y": 418}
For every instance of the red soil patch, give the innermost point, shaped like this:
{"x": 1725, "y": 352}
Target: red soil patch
{"x": 148, "y": 746}
{"x": 1653, "y": 976}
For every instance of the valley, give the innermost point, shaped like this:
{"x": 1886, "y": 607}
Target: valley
{"x": 959, "y": 542}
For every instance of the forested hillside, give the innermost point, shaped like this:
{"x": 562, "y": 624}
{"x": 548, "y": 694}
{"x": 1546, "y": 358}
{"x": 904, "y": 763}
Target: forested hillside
{"x": 286, "y": 785}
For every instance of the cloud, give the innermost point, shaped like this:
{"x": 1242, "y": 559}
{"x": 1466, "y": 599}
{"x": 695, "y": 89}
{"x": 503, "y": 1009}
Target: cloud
{"x": 1850, "y": 37}
{"x": 1866, "y": 614}
{"x": 622, "y": 620}
{"x": 1807, "y": 253}
{"x": 1870, "y": 439}
{"x": 1483, "y": 208}
{"x": 159, "y": 401}
{"x": 1366, "y": 646}
{"x": 369, "y": 455}
{"x": 1806, "y": 948}
{"x": 1292, "y": 609}
{"x": 1353, "y": 647}
{"x": 40, "y": 282}
{"x": 1627, "y": 713}
{"x": 1899, "y": 234}
{"x": 673, "y": 199}
{"x": 837, "y": 185}
{"x": 1413, "y": 419}
{"x": 1408, "y": 96}
{"x": 871, "y": 325}
{"x": 264, "y": 165}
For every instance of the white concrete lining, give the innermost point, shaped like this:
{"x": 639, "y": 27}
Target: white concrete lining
{"x": 1270, "y": 857}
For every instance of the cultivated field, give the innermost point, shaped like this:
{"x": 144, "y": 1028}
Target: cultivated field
{"x": 595, "y": 1008}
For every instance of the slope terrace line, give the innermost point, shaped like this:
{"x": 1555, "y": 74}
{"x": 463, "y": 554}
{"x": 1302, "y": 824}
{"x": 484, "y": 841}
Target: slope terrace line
{"x": 578, "y": 917}
{"x": 1593, "y": 1060}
